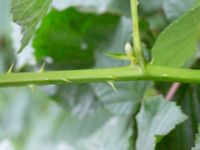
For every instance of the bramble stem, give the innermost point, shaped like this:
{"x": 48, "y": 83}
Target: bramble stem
{"x": 136, "y": 33}
{"x": 128, "y": 73}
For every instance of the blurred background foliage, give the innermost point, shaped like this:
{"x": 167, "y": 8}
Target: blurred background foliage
{"x": 75, "y": 34}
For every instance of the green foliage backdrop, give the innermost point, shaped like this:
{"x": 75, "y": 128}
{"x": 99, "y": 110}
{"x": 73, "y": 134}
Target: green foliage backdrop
{"x": 93, "y": 116}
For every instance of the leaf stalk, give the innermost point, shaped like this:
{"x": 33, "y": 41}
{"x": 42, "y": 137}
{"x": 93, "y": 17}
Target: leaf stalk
{"x": 136, "y": 33}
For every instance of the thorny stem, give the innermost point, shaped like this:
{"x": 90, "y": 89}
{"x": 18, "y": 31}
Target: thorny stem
{"x": 136, "y": 33}
{"x": 127, "y": 73}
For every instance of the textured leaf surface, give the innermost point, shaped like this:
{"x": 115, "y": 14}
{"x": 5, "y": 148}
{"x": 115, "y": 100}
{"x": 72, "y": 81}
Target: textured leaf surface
{"x": 48, "y": 125}
{"x": 70, "y": 37}
{"x": 80, "y": 99}
{"x": 98, "y": 130}
{"x": 28, "y": 13}
{"x": 178, "y": 43}
{"x": 156, "y": 118}
{"x": 115, "y": 102}
{"x": 112, "y": 136}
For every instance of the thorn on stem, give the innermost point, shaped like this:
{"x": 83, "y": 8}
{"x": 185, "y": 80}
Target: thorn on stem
{"x": 32, "y": 87}
{"x": 111, "y": 83}
{"x": 10, "y": 70}
{"x": 110, "y": 77}
{"x": 65, "y": 80}
{"x": 42, "y": 68}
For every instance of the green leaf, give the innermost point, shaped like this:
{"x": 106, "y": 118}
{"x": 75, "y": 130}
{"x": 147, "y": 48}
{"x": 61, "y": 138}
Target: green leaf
{"x": 28, "y": 13}
{"x": 156, "y": 118}
{"x": 178, "y": 42}
{"x": 70, "y": 37}
{"x": 197, "y": 140}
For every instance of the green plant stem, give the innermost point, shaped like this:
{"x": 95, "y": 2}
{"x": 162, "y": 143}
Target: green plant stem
{"x": 136, "y": 33}
{"x": 156, "y": 73}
